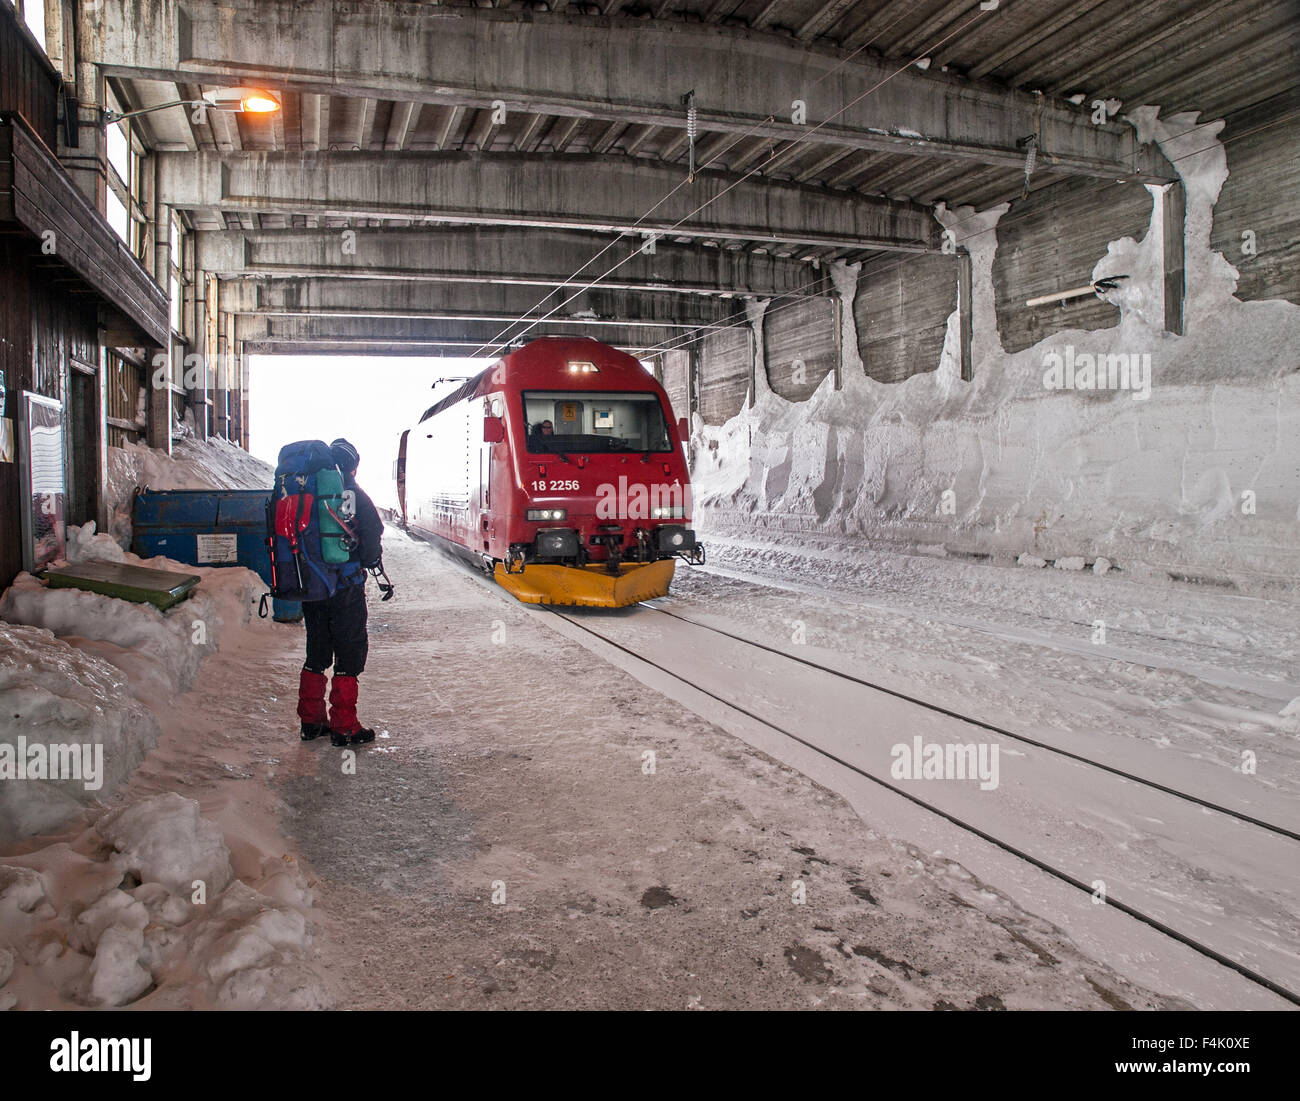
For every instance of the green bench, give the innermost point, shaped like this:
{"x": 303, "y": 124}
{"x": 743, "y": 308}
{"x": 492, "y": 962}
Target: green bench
{"x": 138, "y": 584}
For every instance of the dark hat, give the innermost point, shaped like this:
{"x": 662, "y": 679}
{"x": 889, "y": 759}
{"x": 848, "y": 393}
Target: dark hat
{"x": 345, "y": 456}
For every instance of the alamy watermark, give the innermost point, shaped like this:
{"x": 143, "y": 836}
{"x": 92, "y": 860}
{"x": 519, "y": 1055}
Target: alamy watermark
{"x": 954, "y": 761}
{"x": 82, "y": 761}
{"x": 1104, "y": 371}
{"x": 639, "y": 501}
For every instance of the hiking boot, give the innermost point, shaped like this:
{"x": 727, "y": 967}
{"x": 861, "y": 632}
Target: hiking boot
{"x": 311, "y": 704}
{"x": 361, "y": 737}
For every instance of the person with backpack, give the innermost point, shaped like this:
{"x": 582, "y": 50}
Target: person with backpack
{"x": 325, "y": 534}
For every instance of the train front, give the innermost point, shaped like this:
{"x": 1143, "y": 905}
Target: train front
{"x": 603, "y": 509}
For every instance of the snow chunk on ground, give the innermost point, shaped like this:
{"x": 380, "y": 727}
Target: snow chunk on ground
{"x": 76, "y": 668}
{"x": 80, "y": 931}
{"x": 52, "y": 693}
{"x": 164, "y": 840}
{"x": 159, "y": 651}
{"x": 83, "y": 545}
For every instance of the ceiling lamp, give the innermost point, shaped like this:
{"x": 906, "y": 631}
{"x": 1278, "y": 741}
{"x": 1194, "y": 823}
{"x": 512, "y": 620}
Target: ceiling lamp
{"x": 252, "y": 101}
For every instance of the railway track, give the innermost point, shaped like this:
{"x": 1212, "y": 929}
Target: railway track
{"x": 1244, "y": 839}
{"x": 1101, "y": 652}
{"x": 991, "y": 727}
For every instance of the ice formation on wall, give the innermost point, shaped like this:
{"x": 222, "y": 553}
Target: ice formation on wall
{"x": 1198, "y": 475}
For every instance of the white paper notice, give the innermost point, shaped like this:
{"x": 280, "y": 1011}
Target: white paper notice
{"x": 217, "y": 548}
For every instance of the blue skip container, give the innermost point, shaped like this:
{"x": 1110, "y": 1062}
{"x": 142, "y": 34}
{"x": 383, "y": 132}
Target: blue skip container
{"x": 208, "y": 527}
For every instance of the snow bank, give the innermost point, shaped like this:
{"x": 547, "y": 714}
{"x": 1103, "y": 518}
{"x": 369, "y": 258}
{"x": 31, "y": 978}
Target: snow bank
{"x": 142, "y": 909}
{"x": 52, "y": 692}
{"x": 193, "y": 464}
{"x": 159, "y": 651}
{"x": 1200, "y": 476}
{"x": 78, "y": 668}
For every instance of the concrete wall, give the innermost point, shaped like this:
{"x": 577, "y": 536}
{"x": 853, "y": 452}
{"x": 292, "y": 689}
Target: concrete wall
{"x": 1195, "y": 472}
{"x": 1259, "y": 197}
{"x": 1050, "y": 242}
{"x": 801, "y": 345}
{"x": 676, "y": 380}
{"x": 901, "y": 311}
{"x": 726, "y": 363}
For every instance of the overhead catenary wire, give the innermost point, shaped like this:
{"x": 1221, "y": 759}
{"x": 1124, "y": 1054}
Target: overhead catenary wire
{"x": 498, "y": 339}
{"x": 690, "y": 336}
{"x": 803, "y": 138}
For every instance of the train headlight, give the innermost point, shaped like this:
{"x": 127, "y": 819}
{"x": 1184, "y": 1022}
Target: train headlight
{"x": 582, "y": 367}
{"x": 546, "y": 514}
{"x": 674, "y": 539}
{"x": 557, "y": 543}
{"x": 668, "y": 512}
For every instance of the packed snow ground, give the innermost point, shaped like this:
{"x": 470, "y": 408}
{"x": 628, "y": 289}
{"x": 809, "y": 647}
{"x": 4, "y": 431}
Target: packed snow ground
{"x": 1192, "y": 688}
{"x": 503, "y": 843}
{"x": 150, "y": 903}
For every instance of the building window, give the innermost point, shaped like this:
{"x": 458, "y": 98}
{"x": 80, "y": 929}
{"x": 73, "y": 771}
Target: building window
{"x": 176, "y": 301}
{"x": 125, "y": 211}
{"x": 33, "y": 14}
{"x": 118, "y": 218}
{"x": 176, "y": 281}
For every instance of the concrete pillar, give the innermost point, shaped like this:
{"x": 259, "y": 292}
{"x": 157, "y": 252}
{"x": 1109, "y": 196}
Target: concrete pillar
{"x": 964, "y": 315}
{"x": 158, "y": 375}
{"x": 58, "y": 39}
{"x": 1173, "y": 205}
{"x": 102, "y": 518}
{"x": 844, "y": 278}
{"x": 240, "y": 401}
{"x": 86, "y": 159}
{"x": 975, "y": 234}
{"x": 755, "y": 309}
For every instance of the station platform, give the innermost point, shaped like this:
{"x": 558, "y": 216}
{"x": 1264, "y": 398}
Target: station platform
{"x": 534, "y": 828}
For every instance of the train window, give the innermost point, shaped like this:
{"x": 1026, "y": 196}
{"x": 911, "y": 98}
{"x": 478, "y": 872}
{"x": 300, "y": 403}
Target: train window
{"x": 584, "y": 422}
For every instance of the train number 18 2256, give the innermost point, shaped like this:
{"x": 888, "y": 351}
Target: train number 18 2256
{"x": 554, "y": 487}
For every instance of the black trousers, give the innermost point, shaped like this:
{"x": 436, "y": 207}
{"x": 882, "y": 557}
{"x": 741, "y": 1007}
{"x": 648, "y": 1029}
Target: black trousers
{"x": 336, "y": 632}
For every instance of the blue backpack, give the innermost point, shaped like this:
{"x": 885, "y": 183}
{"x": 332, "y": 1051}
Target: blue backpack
{"x": 308, "y": 531}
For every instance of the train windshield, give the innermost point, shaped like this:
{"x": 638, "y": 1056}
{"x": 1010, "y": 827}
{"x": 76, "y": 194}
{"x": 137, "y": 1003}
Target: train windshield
{"x": 586, "y": 421}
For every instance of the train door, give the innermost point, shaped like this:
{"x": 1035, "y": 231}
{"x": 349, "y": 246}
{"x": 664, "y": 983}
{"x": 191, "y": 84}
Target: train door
{"x": 488, "y": 458}
{"x": 399, "y": 475}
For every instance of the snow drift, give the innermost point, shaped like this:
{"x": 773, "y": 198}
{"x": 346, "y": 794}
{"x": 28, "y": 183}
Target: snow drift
{"x": 143, "y": 909}
{"x": 193, "y": 464}
{"x": 1200, "y": 477}
{"x": 78, "y": 667}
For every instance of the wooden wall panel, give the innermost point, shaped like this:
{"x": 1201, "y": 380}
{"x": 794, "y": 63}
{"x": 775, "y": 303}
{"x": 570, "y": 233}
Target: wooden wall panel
{"x": 1050, "y": 242}
{"x": 801, "y": 345}
{"x": 726, "y": 362}
{"x": 1262, "y": 196}
{"x": 29, "y": 84}
{"x": 901, "y": 310}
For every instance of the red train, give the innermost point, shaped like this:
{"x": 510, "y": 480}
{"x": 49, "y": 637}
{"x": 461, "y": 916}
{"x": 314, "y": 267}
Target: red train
{"x": 558, "y": 469}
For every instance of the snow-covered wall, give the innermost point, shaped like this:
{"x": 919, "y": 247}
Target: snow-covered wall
{"x": 1189, "y": 463}
{"x": 194, "y": 464}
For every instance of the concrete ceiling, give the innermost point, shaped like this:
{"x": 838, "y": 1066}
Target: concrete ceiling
{"x": 563, "y": 121}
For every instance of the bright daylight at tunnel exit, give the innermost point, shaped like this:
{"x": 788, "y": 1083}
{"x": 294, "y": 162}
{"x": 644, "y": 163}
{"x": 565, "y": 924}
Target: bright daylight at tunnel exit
{"x": 650, "y": 505}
